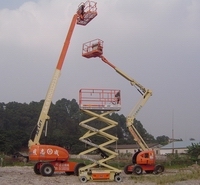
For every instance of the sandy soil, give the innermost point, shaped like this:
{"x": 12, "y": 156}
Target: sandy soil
{"x": 25, "y": 176}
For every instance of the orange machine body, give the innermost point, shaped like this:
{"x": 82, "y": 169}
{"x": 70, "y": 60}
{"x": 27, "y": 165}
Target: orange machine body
{"x": 67, "y": 167}
{"x": 146, "y": 157}
{"x": 54, "y": 155}
{"x": 47, "y": 153}
{"x": 145, "y": 160}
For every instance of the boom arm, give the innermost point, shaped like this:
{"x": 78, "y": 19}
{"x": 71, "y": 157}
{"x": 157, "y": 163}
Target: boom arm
{"x": 146, "y": 93}
{"x": 85, "y": 13}
{"x": 35, "y": 136}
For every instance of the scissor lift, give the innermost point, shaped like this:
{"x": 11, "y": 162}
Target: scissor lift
{"x": 98, "y": 103}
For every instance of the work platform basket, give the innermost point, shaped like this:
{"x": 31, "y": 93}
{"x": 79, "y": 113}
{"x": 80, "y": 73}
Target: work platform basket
{"x": 93, "y": 48}
{"x": 100, "y": 99}
{"x": 86, "y": 11}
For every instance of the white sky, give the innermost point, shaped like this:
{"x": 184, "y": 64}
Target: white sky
{"x": 155, "y": 42}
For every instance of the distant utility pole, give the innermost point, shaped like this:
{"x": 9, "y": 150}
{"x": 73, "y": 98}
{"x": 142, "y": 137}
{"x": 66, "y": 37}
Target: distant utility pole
{"x": 173, "y": 132}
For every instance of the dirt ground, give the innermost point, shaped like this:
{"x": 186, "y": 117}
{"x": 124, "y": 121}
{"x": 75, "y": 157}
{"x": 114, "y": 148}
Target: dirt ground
{"x": 25, "y": 176}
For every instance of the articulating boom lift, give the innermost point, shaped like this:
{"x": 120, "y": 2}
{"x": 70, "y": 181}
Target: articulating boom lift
{"x": 142, "y": 160}
{"x": 98, "y": 103}
{"x": 53, "y": 158}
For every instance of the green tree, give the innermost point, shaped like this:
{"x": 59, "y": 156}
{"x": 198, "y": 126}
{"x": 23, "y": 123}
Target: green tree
{"x": 194, "y": 151}
{"x": 142, "y": 131}
{"x": 17, "y": 121}
{"x": 163, "y": 140}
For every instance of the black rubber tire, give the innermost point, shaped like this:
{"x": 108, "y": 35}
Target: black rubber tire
{"x": 137, "y": 170}
{"x": 36, "y": 169}
{"x": 47, "y": 169}
{"x": 158, "y": 169}
{"x": 83, "y": 179}
{"x": 118, "y": 178}
{"x": 126, "y": 169}
{"x": 76, "y": 169}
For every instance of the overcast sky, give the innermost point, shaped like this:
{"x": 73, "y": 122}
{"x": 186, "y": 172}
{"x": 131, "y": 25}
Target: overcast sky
{"x": 155, "y": 42}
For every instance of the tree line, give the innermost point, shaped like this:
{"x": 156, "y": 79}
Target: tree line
{"x": 17, "y": 121}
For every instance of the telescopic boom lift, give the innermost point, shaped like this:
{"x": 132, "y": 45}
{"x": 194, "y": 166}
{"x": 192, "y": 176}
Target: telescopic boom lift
{"x": 53, "y": 158}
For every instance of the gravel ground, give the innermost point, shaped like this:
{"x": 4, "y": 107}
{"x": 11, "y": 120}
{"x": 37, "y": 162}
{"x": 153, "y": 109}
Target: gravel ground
{"x": 25, "y": 176}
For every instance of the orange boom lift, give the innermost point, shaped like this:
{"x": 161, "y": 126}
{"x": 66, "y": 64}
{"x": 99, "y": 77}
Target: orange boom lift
{"x": 53, "y": 158}
{"x": 144, "y": 160}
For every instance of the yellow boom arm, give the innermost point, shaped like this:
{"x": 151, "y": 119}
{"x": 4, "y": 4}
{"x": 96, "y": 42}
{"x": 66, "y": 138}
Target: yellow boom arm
{"x": 146, "y": 93}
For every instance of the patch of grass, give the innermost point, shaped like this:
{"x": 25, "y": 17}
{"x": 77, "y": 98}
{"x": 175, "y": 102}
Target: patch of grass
{"x": 183, "y": 174}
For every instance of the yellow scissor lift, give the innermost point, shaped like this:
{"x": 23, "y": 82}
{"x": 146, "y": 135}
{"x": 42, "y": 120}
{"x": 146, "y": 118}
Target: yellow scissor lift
{"x": 98, "y": 103}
